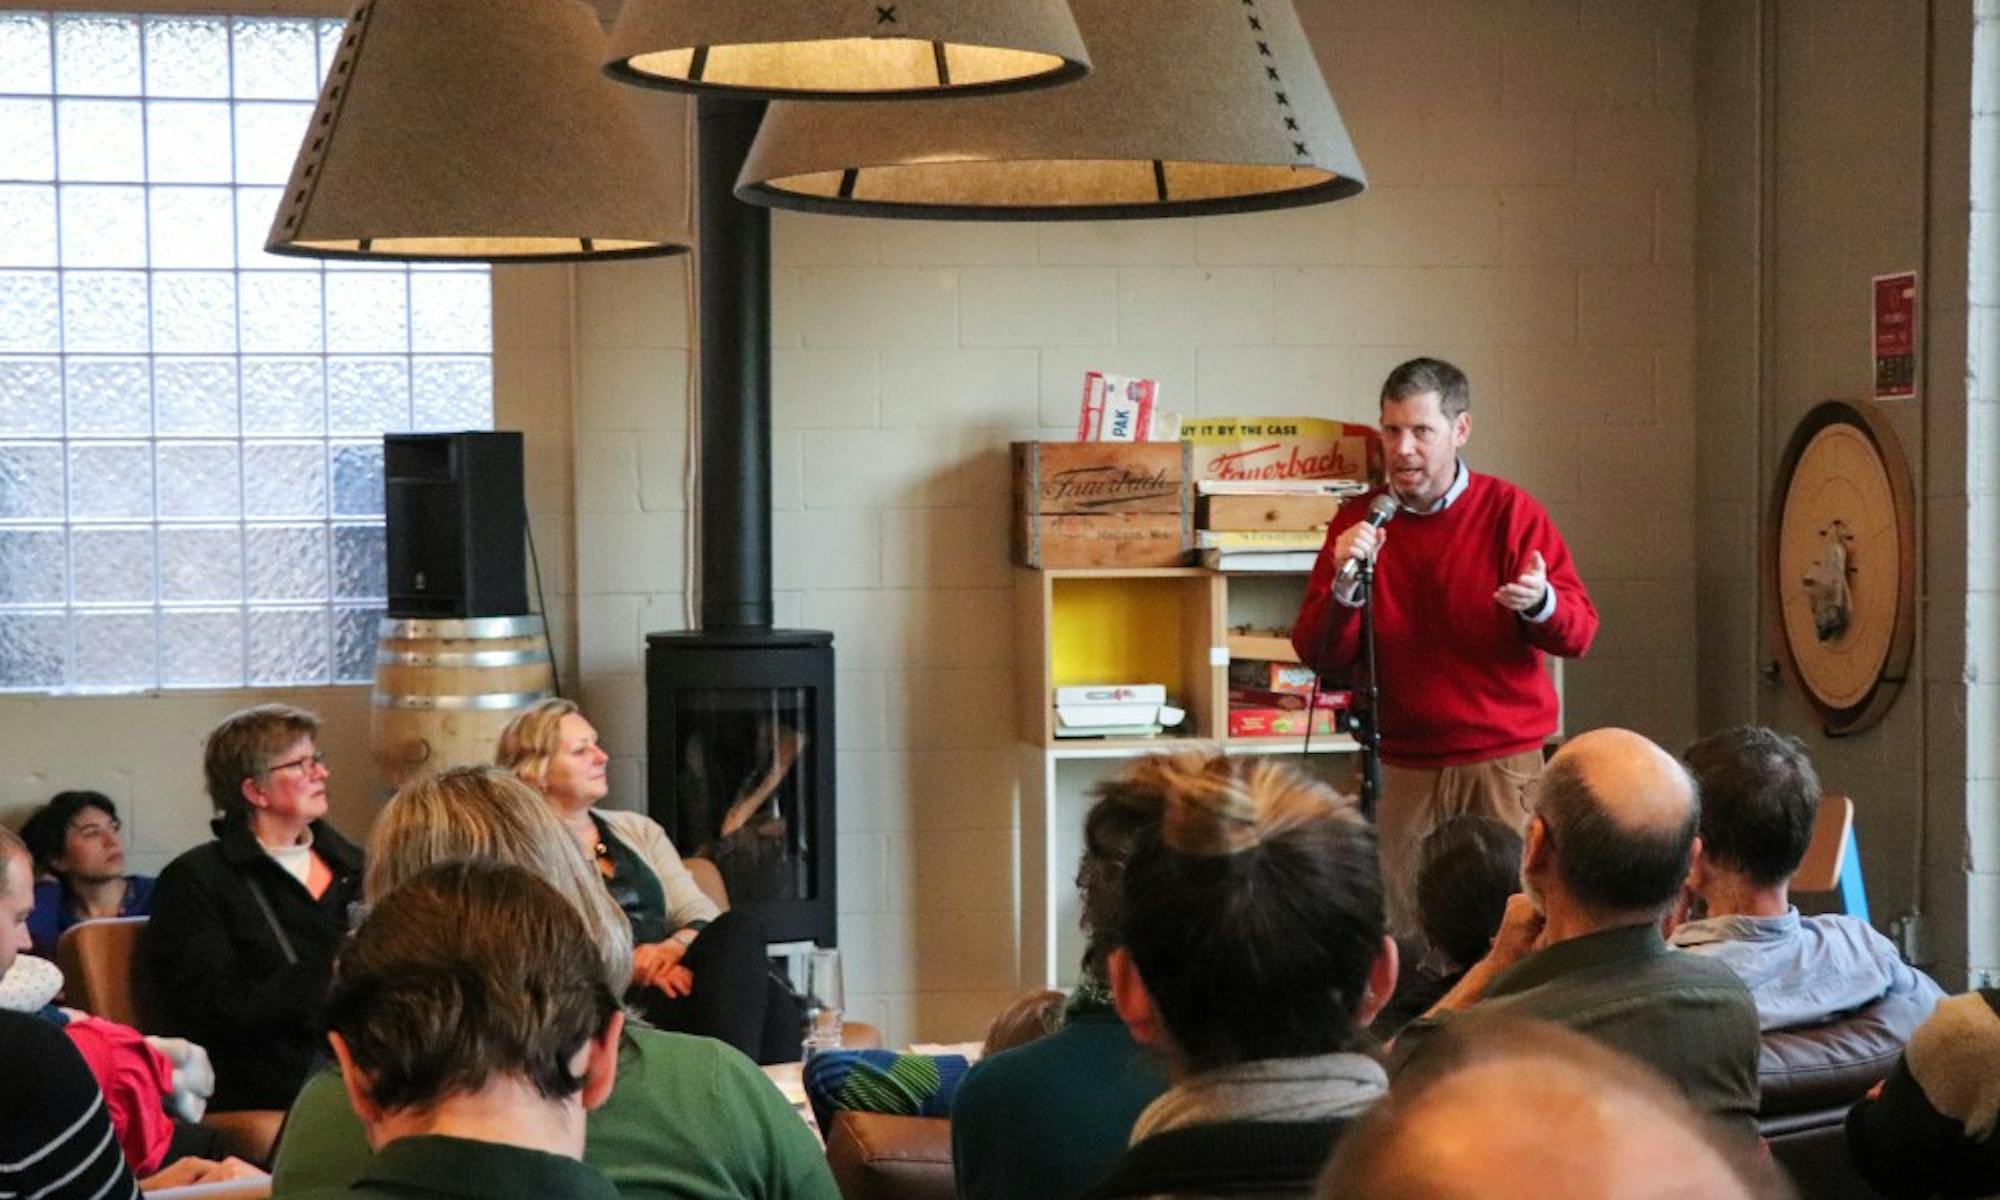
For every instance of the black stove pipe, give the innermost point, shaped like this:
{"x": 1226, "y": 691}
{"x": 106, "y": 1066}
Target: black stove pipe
{"x": 734, "y": 256}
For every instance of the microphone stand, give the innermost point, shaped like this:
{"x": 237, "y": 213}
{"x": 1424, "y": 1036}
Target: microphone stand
{"x": 1368, "y": 731}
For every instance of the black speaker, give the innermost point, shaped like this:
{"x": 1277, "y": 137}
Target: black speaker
{"x": 457, "y": 521}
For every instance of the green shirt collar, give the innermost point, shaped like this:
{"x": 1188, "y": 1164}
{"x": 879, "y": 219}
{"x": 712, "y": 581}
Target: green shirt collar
{"x": 451, "y": 1166}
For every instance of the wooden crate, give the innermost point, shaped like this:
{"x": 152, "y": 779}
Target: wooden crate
{"x": 1293, "y": 513}
{"x": 1102, "y": 504}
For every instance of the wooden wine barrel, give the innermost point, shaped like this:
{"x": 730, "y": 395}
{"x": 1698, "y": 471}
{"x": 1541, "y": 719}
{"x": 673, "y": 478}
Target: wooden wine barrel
{"x": 445, "y": 689}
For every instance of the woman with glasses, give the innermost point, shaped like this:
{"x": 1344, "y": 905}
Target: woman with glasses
{"x": 696, "y": 968}
{"x": 78, "y": 846}
{"x": 240, "y": 947}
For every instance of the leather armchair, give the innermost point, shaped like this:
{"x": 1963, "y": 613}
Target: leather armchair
{"x": 875, "y": 1156}
{"x": 1810, "y": 1078}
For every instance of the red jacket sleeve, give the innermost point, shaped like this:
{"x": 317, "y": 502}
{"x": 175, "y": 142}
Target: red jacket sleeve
{"x": 1327, "y": 633}
{"x": 1573, "y": 626}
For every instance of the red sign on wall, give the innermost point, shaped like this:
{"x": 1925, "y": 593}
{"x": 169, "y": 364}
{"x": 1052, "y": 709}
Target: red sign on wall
{"x": 1896, "y": 336}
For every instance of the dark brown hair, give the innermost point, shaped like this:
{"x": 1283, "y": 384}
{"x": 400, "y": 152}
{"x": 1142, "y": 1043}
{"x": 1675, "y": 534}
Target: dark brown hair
{"x": 1420, "y": 375}
{"x": 47, "y": 831}
{"x": 1759, "y": 797}
{"x": 1255, "y": 914}
{"x": 1466, "y": 869}
{"x": 466, "y": 971}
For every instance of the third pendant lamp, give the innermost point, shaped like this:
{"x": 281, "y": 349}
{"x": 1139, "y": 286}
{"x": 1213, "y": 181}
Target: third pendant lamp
{"x": 829, "y": 49}
{"x": 1191, "y": 107}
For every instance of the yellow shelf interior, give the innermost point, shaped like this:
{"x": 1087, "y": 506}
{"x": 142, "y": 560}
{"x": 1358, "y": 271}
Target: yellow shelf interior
{"x": 1118, "y": 631}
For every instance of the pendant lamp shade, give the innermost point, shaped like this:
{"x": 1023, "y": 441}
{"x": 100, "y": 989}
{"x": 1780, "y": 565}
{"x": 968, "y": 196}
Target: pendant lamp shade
{"x": 1191, "y": 107}
{"x": 831, "y": 49}
{"x": 469, "y": 130}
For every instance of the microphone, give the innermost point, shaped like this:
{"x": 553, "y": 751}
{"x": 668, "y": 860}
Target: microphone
{"x": 1380, "y": 513}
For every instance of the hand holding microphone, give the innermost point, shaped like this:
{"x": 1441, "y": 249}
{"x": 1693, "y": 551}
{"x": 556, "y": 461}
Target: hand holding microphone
{"x": 1359, "y": 543}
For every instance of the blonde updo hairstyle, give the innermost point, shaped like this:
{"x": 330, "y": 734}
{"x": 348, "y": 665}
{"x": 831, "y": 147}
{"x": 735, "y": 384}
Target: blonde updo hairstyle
{"x": 1254, "y": 915}
{"x": 532, "y": 738}
{"x": 483, "y": 813}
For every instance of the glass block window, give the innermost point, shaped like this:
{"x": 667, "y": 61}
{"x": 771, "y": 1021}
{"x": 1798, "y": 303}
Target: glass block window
{"x": 190, "y": 429}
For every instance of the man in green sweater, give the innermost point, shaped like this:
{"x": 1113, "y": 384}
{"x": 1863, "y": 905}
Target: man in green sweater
{"x": 474, "y": 1028}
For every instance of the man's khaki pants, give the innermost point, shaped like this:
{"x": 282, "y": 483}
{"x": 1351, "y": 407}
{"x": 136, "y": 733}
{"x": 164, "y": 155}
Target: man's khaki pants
{"x": 1416, "y": 800}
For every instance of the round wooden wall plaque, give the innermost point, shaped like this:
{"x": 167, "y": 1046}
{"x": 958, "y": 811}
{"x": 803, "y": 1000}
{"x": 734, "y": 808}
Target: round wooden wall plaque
{"x": 1842, "y": 564}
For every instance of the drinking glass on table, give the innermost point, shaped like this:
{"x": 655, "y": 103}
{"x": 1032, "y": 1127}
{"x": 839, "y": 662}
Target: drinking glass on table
{"x": 825, "y": 1000}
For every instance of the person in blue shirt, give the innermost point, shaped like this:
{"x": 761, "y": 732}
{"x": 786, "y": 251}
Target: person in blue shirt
{"x": 79, "y": 849}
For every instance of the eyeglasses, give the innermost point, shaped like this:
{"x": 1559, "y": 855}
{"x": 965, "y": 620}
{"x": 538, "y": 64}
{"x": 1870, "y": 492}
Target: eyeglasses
{"x": 302, "y": 765}
{"x": 99, "y": 830}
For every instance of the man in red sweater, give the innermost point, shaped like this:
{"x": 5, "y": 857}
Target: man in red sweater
{"x": 1474, "y": 587}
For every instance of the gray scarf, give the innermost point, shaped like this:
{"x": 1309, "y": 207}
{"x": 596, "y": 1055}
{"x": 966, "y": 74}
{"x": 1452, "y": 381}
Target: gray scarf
{"x": 1317, "y": 1088}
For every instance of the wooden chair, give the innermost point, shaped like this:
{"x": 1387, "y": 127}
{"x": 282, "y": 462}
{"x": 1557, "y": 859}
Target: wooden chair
{"x": 96, "y": 961}
{"x": 1833, "y": 858}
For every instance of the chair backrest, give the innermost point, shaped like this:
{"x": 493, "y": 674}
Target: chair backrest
{"x": 1833, "y": 858}
{"x": 96, "y": 959}
{"x": 709, "y": 879}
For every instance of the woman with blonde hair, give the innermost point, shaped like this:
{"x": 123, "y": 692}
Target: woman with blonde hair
{"x": 687, "y": 1116}
{"x": 696, "y": 969}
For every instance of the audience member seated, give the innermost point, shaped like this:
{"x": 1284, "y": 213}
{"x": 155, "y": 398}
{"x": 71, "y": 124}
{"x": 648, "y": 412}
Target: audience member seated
{"x": 55, "y": 1133}
{"x": 474, "y": 1028}
{"x": 1606, "y": 853}
{"x": 1759, "y": 797}
{"x": 696, "y": 969}
{"x": 77, "y": 845}
{"x": 1466, "y": 869}
{"x": 688, "y": 1118}
{"x": 1523, "y": 1110}
{"x": 1929, "y": 1131}
{"x": 1044, "y": 1119}
{"x": 244, "y": 928}
{"x": 1252, "y": 955}
{"x": 71, "y": 1124}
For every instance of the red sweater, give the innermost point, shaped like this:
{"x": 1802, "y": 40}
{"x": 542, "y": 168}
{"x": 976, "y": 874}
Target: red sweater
{"x": 1462, "y": 677}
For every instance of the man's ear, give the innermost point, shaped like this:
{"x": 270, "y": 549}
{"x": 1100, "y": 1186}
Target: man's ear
{"x": 357, "y": 1084}
{"x": 1537, "y": 852}
{"x": 1698, "y": 870}
{"x": 1133, "y": 1001}
{"x": 1381, "y": 986}
{"x": 1461, "y": 429}
{"x": 600, "y": 1067}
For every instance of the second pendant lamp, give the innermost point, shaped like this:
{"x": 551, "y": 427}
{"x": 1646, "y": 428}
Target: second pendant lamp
{"x": 1192, "y": 106}
{"x": 829, "y": 49}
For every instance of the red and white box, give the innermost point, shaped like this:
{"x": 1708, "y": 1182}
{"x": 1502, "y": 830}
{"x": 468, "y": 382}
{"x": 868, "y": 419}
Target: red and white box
{"x": 1245, "y": 722}
{"x": 1116, "y": 408}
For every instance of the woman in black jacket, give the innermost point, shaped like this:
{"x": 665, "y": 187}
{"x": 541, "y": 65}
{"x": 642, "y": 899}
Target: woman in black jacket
{"x": 240, "y": 947}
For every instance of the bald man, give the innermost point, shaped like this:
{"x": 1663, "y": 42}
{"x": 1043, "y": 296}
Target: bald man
{"x": 1607, "y": 849}
{"x": 1529, "y": 1111}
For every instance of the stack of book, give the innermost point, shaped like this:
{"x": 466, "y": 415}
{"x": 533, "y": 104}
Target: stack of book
{"x": 1114, "y": 710}
{"x": 1267, "y": 524}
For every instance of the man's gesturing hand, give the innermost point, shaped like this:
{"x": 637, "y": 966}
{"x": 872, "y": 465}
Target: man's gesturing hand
{"x": 1525, "y": 593}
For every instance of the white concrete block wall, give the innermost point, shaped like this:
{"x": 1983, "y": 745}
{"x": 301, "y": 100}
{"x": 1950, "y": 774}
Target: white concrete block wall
{"x": 1530, "y": 218}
